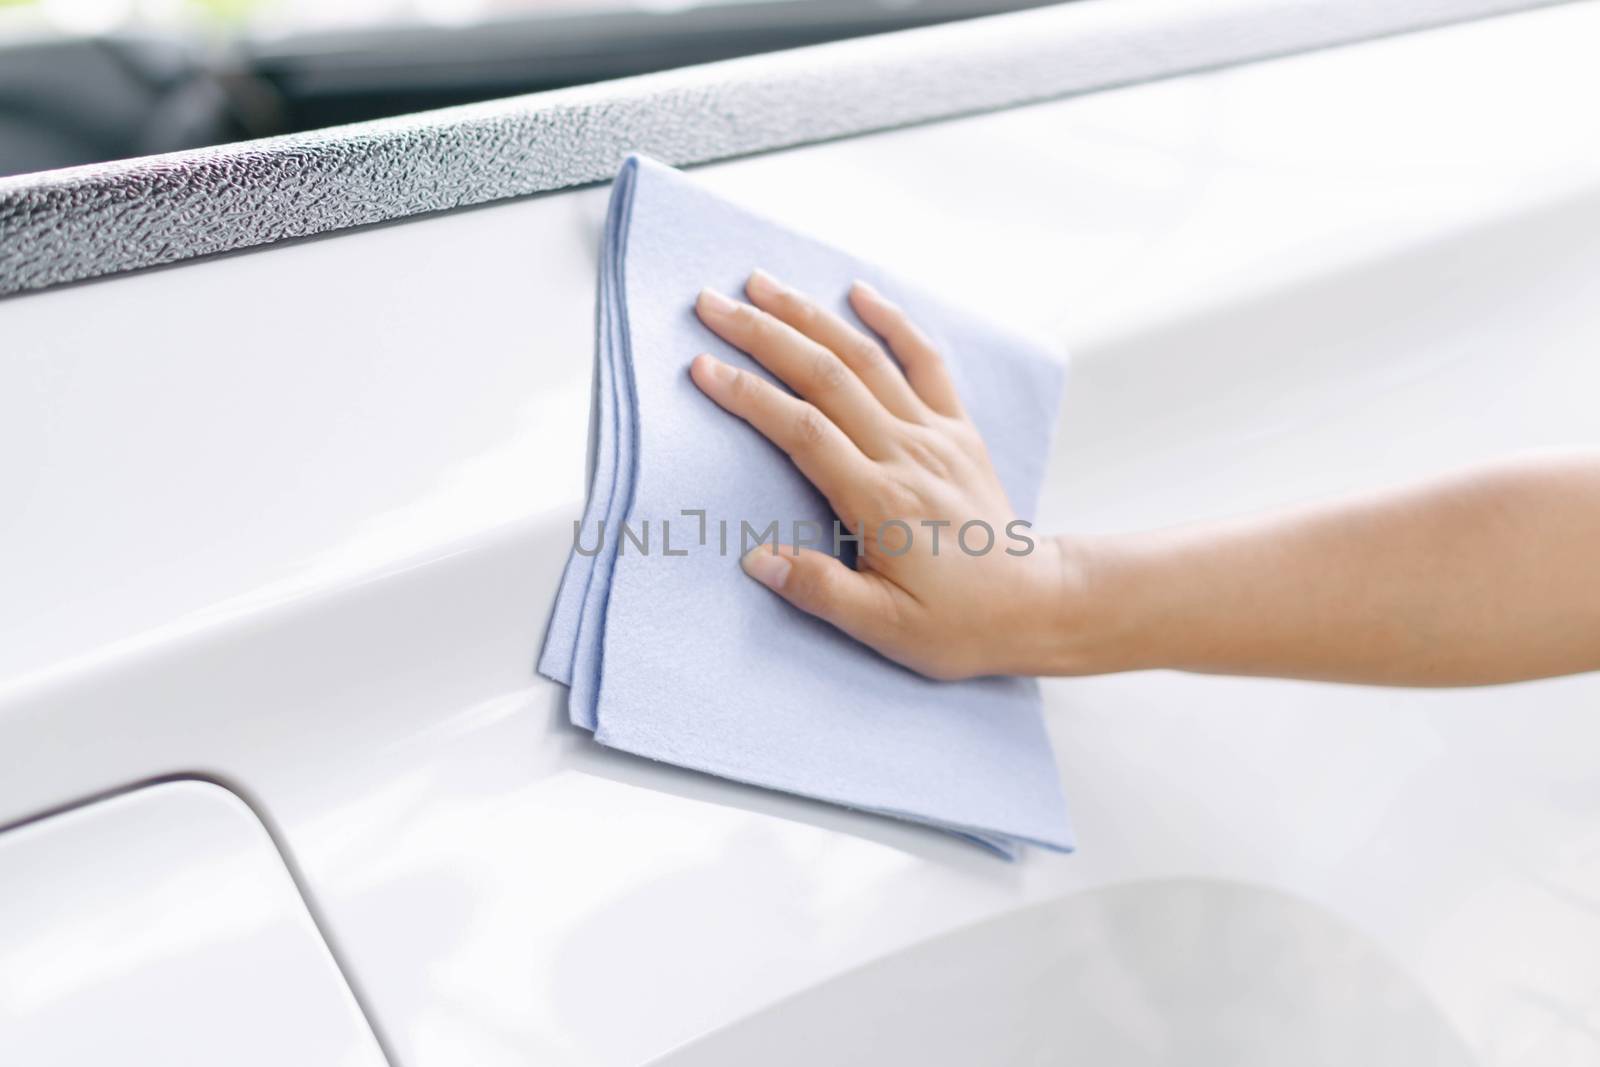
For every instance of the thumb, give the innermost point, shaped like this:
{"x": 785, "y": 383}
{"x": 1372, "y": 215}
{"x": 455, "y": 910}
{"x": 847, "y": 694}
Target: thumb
{"x": 862, "y": 604}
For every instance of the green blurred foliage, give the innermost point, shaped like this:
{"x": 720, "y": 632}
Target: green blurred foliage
{"x": 215, "y": 11}
{"x": 227, "y": 10}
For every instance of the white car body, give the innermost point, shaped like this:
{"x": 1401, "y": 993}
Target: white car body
{"x": 290, "y": 522}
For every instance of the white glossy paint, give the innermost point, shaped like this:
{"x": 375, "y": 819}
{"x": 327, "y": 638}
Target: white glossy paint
{"x": 160, "y": 926}
{"x": 1170, "y": 971}
{"x": 294, "y": 519}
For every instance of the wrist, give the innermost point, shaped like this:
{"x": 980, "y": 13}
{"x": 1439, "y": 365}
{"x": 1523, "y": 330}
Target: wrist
{"x": 1089, "y": 623}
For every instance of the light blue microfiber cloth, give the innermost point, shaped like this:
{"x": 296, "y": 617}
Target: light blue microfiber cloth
{"x": 671, "y": 651}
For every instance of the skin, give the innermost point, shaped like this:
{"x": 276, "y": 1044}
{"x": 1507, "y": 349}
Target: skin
{"x": 1490, "y": 575}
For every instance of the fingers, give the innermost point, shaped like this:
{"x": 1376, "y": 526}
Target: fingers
{"x": 828, "y": 459}
{"x": 924, "y": 367}
{"x": 863, "y": 604}
{"x": 810, "y": 369}
{"x": 856, "y": 350}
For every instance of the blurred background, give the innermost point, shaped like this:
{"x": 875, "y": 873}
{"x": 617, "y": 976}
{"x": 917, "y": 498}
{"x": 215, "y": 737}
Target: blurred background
{"x": 83, "y": 81}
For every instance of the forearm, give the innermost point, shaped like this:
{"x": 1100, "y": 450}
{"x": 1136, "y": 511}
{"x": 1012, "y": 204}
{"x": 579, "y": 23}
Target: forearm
{"x": 1488, "y": 576}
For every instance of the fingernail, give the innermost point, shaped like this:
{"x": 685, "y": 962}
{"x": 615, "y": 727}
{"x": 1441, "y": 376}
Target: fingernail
{"x": 770, "y": 570}
{"x": 714, "y": 368}
{"x": 714, "y": 303}
{"x": 763, "y": 284}
{"x": 864, "y": 289}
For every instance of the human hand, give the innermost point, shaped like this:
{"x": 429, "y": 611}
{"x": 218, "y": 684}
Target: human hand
{"x": 887, "y": 443}
{"x": 1384, "y": 587}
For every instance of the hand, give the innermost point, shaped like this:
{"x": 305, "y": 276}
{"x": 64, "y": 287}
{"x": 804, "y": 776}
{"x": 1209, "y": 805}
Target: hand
{"x": 887, "y": 442}
{"x": 1486, "y": 576}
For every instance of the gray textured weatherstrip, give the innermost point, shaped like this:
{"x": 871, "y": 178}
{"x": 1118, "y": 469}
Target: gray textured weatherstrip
{"x": 83, "y": 222}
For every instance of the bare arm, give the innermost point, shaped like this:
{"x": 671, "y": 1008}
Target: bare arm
{"x": 1487, "y": 576}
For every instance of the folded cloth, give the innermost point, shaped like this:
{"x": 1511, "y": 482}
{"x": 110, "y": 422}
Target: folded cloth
{"x": 671, "y": 652}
